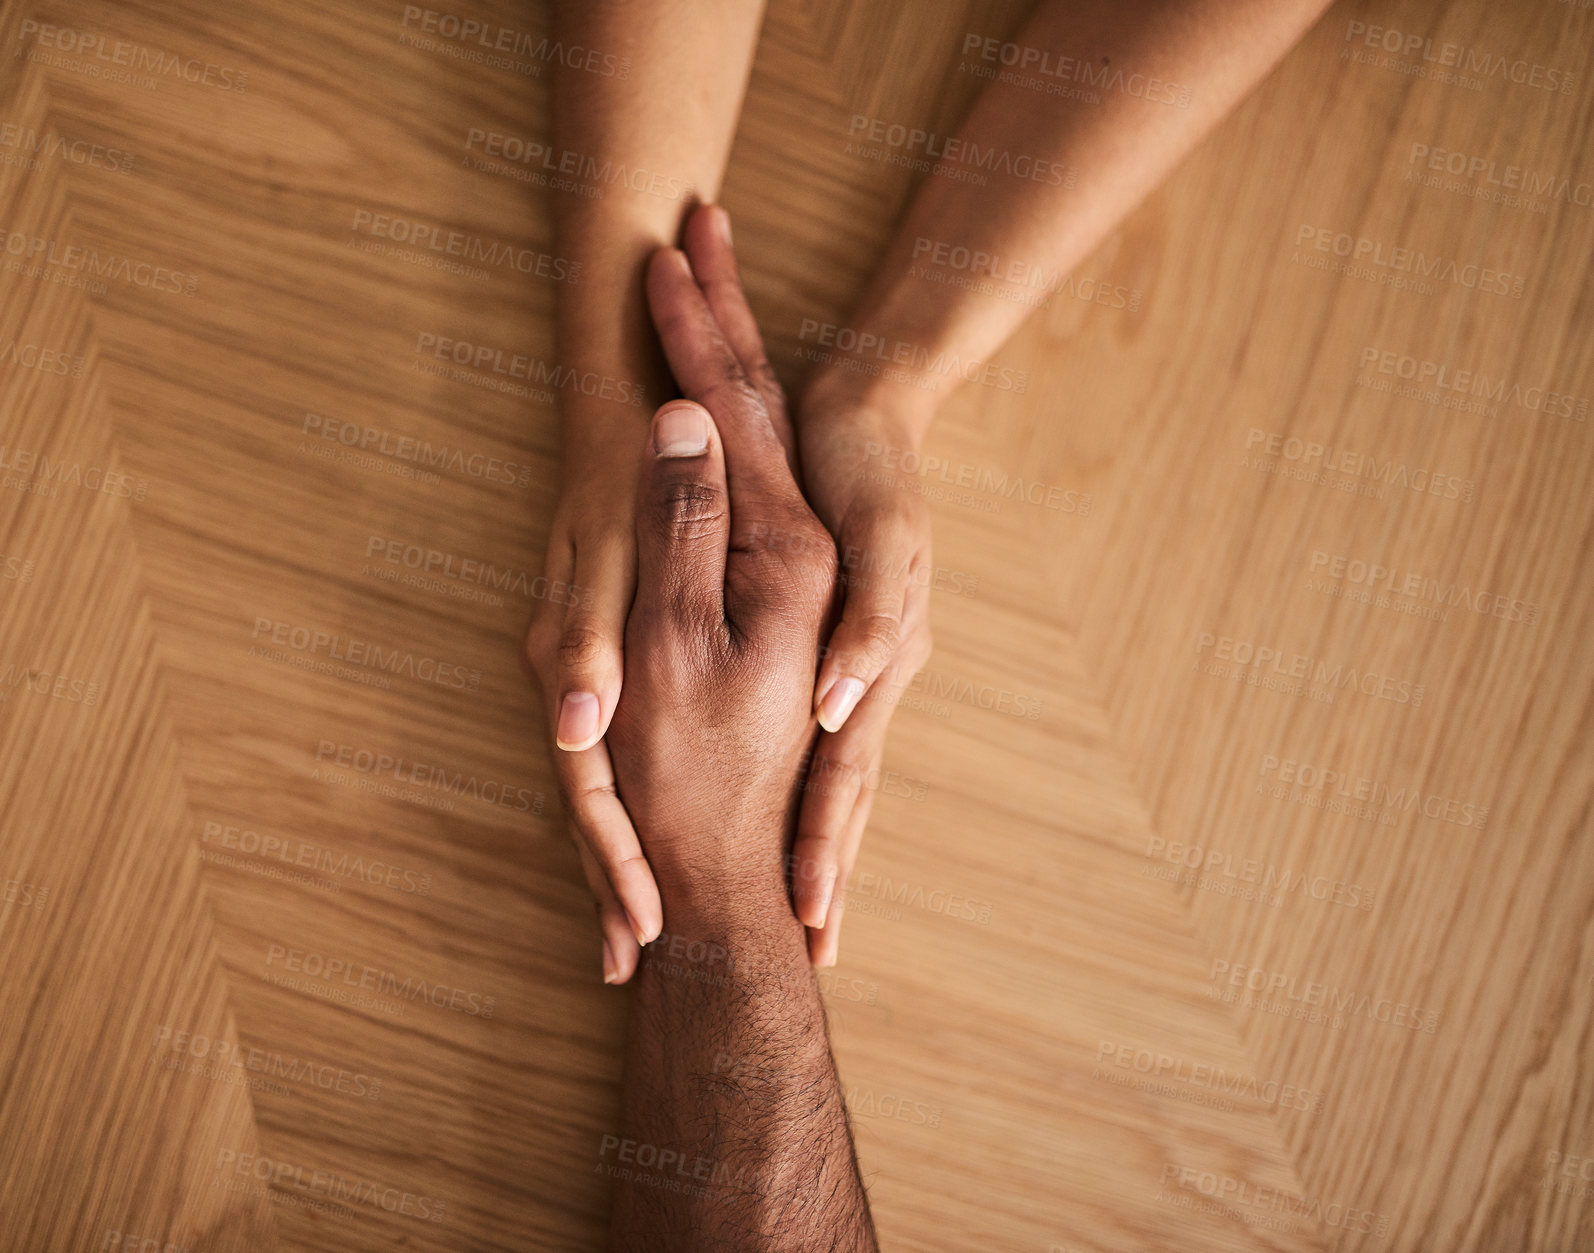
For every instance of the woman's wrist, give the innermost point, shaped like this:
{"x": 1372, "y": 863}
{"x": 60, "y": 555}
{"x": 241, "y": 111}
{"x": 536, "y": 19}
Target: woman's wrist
{"x": 836, "y": 401}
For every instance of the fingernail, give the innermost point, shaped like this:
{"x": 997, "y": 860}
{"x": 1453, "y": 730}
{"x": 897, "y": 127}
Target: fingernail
{"x": 815, "y": 907}
{"x": 578, "y": 721}
{"x": 839, "y": 702}
{"x": 723, "y": 221}
{"x": 681, "y": 431}
{"x": 637, "y": 929}
{"x": 611, "y": 973}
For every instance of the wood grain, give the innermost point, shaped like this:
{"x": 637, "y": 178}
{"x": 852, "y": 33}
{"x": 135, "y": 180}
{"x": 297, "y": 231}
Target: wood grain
{"x": 1041, "y": 1015}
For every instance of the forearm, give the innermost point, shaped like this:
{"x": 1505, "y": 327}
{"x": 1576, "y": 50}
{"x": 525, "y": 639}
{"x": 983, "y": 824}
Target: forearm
{"x": 733, "y": 1122}
{"x": 650, "y": 143}
{"x": 1091, "y": 164}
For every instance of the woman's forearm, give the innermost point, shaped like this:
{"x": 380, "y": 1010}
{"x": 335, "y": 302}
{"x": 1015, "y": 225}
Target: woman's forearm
{"x": 650, "y": 143}
{"x": 1059, "y": 173}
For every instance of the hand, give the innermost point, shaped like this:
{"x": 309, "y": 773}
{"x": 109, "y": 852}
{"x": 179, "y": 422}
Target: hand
{"x": 722, "y": 642}
{"x": 575, "y": 649}
{"x": 882, "y": 527}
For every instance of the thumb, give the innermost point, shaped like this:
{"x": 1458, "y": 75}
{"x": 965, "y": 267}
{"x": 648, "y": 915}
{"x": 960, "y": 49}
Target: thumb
{"x": 683, "y": 517}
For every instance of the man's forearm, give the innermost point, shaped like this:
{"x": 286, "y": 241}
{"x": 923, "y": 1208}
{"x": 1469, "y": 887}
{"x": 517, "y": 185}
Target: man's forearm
{"x": 1059, "y": 174}
{"x": 734, "y": 1133}
{"x": 650, "y": 143}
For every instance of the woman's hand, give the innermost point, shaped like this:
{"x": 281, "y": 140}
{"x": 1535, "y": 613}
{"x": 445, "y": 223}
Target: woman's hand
{"x": 576, "y": 648}
{"x": 881, "y": 526}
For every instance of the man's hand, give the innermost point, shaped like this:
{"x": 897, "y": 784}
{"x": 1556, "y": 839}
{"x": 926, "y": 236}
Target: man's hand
{"x": 735, "y": 577}
{"x": 730, "y": 1090}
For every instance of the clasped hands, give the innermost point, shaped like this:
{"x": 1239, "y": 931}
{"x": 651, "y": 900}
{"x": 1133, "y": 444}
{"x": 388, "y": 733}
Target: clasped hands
{"x": 720, "y": 615}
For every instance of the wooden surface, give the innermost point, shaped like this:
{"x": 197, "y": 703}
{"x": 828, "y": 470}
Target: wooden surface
{"x": 1070, "y": 1068}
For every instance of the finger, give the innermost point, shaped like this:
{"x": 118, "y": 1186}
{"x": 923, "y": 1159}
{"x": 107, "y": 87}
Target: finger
{"x": 708, "y": 372}
{"x": 869, "y": 634}
{"x": 683, "y": 518}
{"x": 841, "y": 777}
{"x": 547, "y": 617}
{"x": 620, "y": 949}
{"x": 713, "y": 259}
{"x": 604, "y": 832}
{"x": 825, "y": 944}
{"x": 830, "y": 793}
{"x": 590, "y": 650}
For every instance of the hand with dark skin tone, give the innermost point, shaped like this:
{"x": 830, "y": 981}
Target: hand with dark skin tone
{"x": 733, "y": 1123}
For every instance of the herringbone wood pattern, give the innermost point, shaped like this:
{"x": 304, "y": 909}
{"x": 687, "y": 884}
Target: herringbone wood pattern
{"x": 184, "y": 854}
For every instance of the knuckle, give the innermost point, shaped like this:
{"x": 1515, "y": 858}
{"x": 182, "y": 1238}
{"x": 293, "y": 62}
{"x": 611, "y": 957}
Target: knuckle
{"x": 879, "y": 635}
{"x": 689, "y": 508}
{"x": 581, "y": 647}
{"x": 732, "y": 391}
{"x": 808, "y": 554}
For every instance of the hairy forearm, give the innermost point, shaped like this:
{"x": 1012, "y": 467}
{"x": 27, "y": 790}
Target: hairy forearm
{"x": 734, "y": 1135}
{"x": 1092, "y": 163}
{"x": 651, "y": 143}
